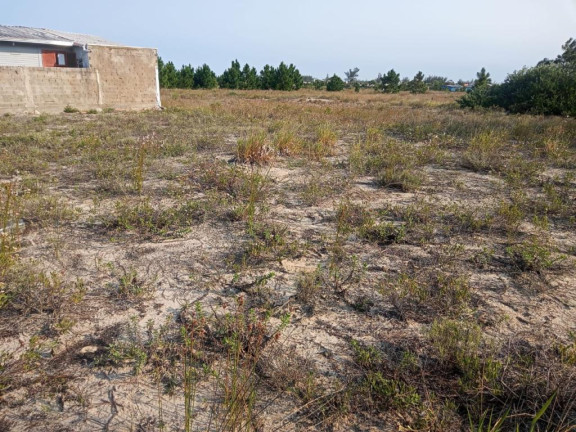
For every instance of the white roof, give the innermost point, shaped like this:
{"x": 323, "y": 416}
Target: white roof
{"x": 49, "y": 37}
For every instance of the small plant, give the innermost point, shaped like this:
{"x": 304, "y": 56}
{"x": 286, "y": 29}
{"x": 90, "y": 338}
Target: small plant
{"x": 485, "y": 152}
{"x": 518, "y": 171}
{"x": 129, "y": 349}
{"x": 510, "y": 214}
{"x": 287, "y": 144}
{"x": 254, "y": 150}
{"x": 350, "y": 216}
{"x": 6, "y": 360}
{"x": 326, "y": 136}
{"x": 567, "y": 351}
{"x": 463, "y": 219}
{"x": 463, "y": 344}
{"x": 319, "y": 187}
{"x": 376, "y": 387}
{"x": 393, "y": 164}
{"x": 245, "y": 335}
{"x": 241, "y": 193}
{"x": 38, "y": 350}
{"x": 139, "y": 168}
{"x": 27, "y": 291}
{"x": 436, "y": 292}
{"x": 251, "y": 207}
{"x": 142, "y": 216}
{"x": 323, "y": 145}
{"x": 558, "y": 199}
{"x": 384, "y": 233}
{"x": 308, "y": 287}
{"x": 342, "y": 271}
{"x": 390, "y": 392}
{"x": 48, "y": 210}
{"x": 69, "y": 109}
{"x": 269, "y": 242}
{"x": 397, "y": 178}
{"x": 533, "y": 255}
{"x": 9, "y": 228}
{"x": 133, "y": 287}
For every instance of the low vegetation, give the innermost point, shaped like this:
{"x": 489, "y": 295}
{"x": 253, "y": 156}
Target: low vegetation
{"x": 249, "y": 260}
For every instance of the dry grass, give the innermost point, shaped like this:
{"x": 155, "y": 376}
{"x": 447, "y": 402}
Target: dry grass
{"x": 259, "y": 260}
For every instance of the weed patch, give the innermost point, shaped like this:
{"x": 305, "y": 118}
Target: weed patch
{"x": 254, "y": 150}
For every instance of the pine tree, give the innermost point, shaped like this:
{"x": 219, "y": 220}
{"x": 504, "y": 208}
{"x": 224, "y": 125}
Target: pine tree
{"x": 482, "y": 78}
{"x": 284, "y": 79}
{"x": 249, "y": 79}
{"x": 231, "y": 78}
{"x": 404, "y": 84}
{"x": 318, "y": 84}
{"x": 568, "y": 57}
{"x": 169, "y": 76}
{"x": 335, "y": 83}
{"x": 160, "y": 66}
{"x": 390, "y": 83}
{"x": 268, "y": 78}
{"x": 297, "y": 80}
{"x": 186, "y": 77}
{"x": 205, "y": 78}
{"x": 417, "y": 85}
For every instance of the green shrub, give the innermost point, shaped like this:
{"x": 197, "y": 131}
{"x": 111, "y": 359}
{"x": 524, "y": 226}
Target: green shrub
{"x": 417, "y": 85}
{"x": 383, "y": 233}
{"x": 255, "y": 149}
{"x": 545, "y": 89}
{"x": 70, "y": 109}
{"x": 390, "y": 83}
{"x": 548, "y": 89}
{"x": 533, "y": 255}
{"x": 481, "y": 96}
{"x": 335, "y": 83}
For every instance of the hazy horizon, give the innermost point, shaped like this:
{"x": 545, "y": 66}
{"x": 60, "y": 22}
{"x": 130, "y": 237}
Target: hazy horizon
{"x": 447, "y": 37}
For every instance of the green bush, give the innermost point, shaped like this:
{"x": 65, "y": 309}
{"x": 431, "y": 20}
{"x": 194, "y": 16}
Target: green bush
{"x": 390, "y": 83}
{"x": 481, "y": 96}
{"x": 548, "y": 88}
{"x": 417, "y": 85}
{"x": 335, "y": 83}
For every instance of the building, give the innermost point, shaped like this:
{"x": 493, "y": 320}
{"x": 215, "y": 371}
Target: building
{"x": 46, "y": 70}
{"x": 452, "y": 87}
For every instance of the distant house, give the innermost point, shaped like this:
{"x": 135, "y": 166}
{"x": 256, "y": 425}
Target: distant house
{"x": 452, "y": 87}
{"x": 45, "y": 70}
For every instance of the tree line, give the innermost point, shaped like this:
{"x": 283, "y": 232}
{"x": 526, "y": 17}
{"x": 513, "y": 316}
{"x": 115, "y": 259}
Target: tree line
{"x": 391, "y": 82}
{"x": 285, "y": 77}
{"x": 282, "y": 77}
{"x": 548, "y": 88}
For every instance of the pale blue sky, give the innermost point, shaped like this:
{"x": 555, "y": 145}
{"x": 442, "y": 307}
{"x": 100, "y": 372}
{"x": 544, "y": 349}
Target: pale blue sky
{"x": 453, "y": 38}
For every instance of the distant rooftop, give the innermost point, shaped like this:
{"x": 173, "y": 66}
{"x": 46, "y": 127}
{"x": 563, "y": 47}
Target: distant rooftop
{"x": 49, "y": 37}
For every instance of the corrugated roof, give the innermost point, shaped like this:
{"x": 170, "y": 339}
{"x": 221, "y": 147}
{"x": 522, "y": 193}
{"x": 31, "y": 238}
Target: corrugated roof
{"x": 49, "y": 37}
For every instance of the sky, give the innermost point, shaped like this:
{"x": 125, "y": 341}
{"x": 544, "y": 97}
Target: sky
{"x": 451, "y": 38}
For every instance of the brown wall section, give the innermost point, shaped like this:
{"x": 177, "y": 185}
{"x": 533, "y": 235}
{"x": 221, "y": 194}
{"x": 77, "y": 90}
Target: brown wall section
{"x": 118, "y": 77}
{"x": 127, "y": 76}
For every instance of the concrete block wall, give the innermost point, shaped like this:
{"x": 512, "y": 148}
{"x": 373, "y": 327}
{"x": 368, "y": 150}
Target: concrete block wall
{"x": 127, "y": 76}
{"x": 118, "y": 77}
